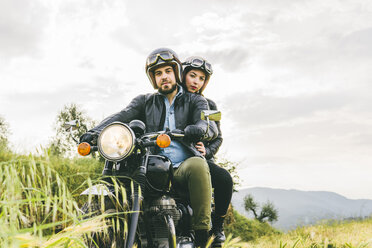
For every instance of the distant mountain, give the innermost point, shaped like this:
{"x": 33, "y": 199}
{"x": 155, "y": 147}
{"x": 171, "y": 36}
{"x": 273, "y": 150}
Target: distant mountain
{"x": 298, "y": 208}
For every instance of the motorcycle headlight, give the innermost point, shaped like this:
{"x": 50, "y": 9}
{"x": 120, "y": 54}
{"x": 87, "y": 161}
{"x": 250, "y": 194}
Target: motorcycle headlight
{"x": 116, "y": 141}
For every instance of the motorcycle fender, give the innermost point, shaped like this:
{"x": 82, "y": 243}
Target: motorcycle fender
{"x": 99, "y": 189}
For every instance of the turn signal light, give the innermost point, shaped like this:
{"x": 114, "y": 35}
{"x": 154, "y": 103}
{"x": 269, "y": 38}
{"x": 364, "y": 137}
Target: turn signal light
{"x": 84, "y": 149}
{"x": 163, "y": 140}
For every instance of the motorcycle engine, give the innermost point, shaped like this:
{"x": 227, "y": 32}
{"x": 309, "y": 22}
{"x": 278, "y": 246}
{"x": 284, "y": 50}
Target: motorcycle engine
{"x": 156, "y": 210}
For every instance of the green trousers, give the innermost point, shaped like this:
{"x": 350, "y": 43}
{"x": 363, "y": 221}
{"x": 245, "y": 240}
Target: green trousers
{"x": 194, "y": 177}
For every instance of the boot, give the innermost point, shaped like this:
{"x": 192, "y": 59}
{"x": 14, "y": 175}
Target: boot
{"x": 217, "y": 230}
{"x": 201, "y": 238}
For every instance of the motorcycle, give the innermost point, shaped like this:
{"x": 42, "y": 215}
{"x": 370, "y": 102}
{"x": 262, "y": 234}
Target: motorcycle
{"x": 139, "y": 188}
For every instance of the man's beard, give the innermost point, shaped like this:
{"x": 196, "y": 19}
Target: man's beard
{"x": 168, "y": 91}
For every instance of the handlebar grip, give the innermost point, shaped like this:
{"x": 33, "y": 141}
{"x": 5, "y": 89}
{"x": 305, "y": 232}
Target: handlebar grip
{"x": 149, "y": 143}
{"x": 177, "y": 135}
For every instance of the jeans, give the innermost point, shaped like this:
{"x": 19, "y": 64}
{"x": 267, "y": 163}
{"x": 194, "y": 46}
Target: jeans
{"x": 222, "y": 184}
{"x": 193, "y": 175}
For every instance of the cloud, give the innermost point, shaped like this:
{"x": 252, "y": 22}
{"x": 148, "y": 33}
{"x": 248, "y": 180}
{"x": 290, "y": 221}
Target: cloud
{"x": 153, "y": 26}
{"x": 102, "y": 97}
{"x": 315, "y": 129}
{"x": 319, "y": 38}
{"x": 215, "y": 35}
{"x": 230, "y": 59}
{"x": 210, "y": 24}
{"x": 224, "y": 38}
{"x": 31, "y": 115}
{"x": 22, "y": 26}
{"x": 357, "y": 45}
{"x": 251, "y": 109}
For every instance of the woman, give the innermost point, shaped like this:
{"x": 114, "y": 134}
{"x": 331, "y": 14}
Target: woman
{"x": 195, "y": 77}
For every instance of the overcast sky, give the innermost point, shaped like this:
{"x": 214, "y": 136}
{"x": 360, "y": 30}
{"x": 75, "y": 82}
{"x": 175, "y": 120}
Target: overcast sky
{"x": 292, "y": 78}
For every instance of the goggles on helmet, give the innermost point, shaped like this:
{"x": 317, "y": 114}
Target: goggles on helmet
{"x": 199, "y": 63}
{"x": 165, "y": 56}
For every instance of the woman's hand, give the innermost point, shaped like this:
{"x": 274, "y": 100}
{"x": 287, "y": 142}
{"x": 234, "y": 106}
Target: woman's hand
{"x": 200, "y": 147}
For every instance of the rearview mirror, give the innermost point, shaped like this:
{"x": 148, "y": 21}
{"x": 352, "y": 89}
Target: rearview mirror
{"x": 71, "y": 125}
{"x": 212, "y": 115}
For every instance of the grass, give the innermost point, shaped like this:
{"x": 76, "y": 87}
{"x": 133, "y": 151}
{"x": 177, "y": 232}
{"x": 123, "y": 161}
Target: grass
{"x": 37, "y": 207}
{"x": 348, "y": 234}
{"x": 71, "y": 236}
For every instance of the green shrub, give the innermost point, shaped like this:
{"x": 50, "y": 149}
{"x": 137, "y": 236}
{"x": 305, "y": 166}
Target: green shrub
{"x": 248, "y": 230}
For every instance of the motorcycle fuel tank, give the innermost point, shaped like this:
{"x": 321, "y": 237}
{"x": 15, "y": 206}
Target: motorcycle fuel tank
{"x": 159, "y": 173}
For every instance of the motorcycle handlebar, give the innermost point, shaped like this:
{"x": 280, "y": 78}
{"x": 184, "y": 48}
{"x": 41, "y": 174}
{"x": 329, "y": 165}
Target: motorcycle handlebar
{"x": 150, "y": 139}
{"x": 177, "y": 135}
{"x": 149, "y": 143}
{"x": 154, "y": 135}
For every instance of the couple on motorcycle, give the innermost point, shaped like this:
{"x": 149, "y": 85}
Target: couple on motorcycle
{"x": 178, "y": 105}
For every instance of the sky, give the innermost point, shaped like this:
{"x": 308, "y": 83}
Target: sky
{"x": 292, "y": 78}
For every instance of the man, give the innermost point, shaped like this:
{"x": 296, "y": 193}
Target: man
{"x": 173, "y": 108}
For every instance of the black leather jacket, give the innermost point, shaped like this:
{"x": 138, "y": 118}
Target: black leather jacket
{"x": 150, "y": 108}
{"x": 212, "y": 146}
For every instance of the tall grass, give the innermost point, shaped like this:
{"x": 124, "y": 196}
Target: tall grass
{"x": 37, "y": 208}
{"x": 349, "y": 234}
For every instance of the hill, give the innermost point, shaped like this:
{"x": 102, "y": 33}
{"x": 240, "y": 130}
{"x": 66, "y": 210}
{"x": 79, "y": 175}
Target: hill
{"x": 298, "y": 208}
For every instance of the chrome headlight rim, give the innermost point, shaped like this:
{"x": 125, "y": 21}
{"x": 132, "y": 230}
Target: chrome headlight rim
{"x": 99, "y": 142}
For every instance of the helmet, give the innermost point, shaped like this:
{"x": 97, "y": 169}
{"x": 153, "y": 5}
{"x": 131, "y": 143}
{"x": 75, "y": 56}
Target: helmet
{"x": 160, "y": 57}
{"x": 196, "y": 62}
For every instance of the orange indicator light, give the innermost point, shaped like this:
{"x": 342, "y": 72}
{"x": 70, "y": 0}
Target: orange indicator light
{"x": 163, "y": 140}
{"x": 84, "y": 149}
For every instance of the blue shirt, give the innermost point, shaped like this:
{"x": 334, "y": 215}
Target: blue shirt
{"x": 176, "y": 152}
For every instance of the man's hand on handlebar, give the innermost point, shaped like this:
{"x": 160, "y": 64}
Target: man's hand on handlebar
{"x": 194, "y": 133}
{"x": 89, "y": 137}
